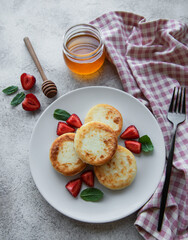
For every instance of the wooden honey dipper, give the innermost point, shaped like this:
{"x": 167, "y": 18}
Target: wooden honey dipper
{"x": 48, "y": 87}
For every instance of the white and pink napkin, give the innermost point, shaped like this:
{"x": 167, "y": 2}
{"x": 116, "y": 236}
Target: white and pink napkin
{"x": 151, "y": 58}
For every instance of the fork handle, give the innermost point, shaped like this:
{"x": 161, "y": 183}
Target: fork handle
{"x": 167, "y": 180}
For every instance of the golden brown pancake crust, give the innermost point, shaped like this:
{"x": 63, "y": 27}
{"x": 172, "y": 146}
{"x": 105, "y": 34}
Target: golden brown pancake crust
{"x": 109, "y": 115}
{"x": 67, "y": 169}
{"x": 119, "y": 172}
{"x": 95, "y": 143}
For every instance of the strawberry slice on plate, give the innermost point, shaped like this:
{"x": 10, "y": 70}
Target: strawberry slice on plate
{"x": 63, "y": 128}
{"x": 74, "y": 121}
{"x": 27, "y": 81}
{"x": 74, "y": 187}
{"x": 133, "y": 146}
{"x": 88, "y": 178}
{"x": 130, "y": 133}
{"x": 30, "y": 103}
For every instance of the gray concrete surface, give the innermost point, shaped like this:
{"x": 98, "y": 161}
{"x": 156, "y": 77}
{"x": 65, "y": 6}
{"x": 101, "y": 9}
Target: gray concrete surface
{"x": 24, "y": 214}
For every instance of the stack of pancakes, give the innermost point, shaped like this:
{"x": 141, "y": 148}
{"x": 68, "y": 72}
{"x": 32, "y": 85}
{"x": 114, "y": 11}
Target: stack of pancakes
{"x": 96, "y": 143}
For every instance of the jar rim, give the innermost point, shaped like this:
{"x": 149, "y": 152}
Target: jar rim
{"x": 76, "y": 29}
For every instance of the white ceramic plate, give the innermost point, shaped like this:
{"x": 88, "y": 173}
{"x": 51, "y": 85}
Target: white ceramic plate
{"x": 115, "y": 204}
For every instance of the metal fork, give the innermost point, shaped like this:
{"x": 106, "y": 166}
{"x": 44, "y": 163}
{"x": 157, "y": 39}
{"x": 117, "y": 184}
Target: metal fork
{"x": 176, "y": 115}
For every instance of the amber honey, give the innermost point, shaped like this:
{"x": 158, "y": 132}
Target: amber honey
{"x": 83, "y": 49}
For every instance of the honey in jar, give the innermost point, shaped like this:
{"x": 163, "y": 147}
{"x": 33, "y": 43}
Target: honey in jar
{"x": 83, "y": 49}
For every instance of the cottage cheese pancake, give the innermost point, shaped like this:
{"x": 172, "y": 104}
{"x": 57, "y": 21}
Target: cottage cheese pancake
{"x": 95, "y": 143}
{"x": 106, "y": 114}
{"x": 119, "y": 172}
{"x": 63, "y": 156}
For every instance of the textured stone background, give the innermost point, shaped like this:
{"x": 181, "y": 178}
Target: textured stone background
{"x": 24, "y": 214}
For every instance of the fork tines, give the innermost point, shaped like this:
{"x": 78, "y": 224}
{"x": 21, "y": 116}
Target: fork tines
{"x": 178, "y": 100}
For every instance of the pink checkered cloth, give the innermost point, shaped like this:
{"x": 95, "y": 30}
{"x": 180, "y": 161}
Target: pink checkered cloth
{"x": 151, "y": 58}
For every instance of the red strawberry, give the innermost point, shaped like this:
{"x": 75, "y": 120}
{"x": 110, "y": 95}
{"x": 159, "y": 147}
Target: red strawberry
{"x": 133, "y": 146}
{"x": 74, "y": 186}
{"x": 30, "y": 103}
{"x": 88, "y": 178}
{"x": 27, "y": 81}
{"x": 130, "y": 133}
{"x": 74, "y": 121}
{"x": 63, "y": 128}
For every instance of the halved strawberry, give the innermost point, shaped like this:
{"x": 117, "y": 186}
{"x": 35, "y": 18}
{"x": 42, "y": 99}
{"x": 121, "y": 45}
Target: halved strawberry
{"x": 130, "y": 133}
{"x": 30, "y": 103}
{"x": 74, "y": 187}
{"x": 63, "y": 128}
{"x": 88, "y": 178}
{"x": 133, "y": 146}
{"x": 27, "y": 81}
{"x": 74, "y": 121}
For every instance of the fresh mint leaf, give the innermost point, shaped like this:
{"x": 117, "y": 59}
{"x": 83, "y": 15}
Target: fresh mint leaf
{"x": 18, "y": 99}
{"x": 60, "y": 114}
{"x": 10, "y": 90}
{"x": 91, "y": 194}
{"x": 147, "y": 145}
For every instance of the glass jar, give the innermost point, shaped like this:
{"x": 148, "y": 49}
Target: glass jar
{"x": 83, "y": 49}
